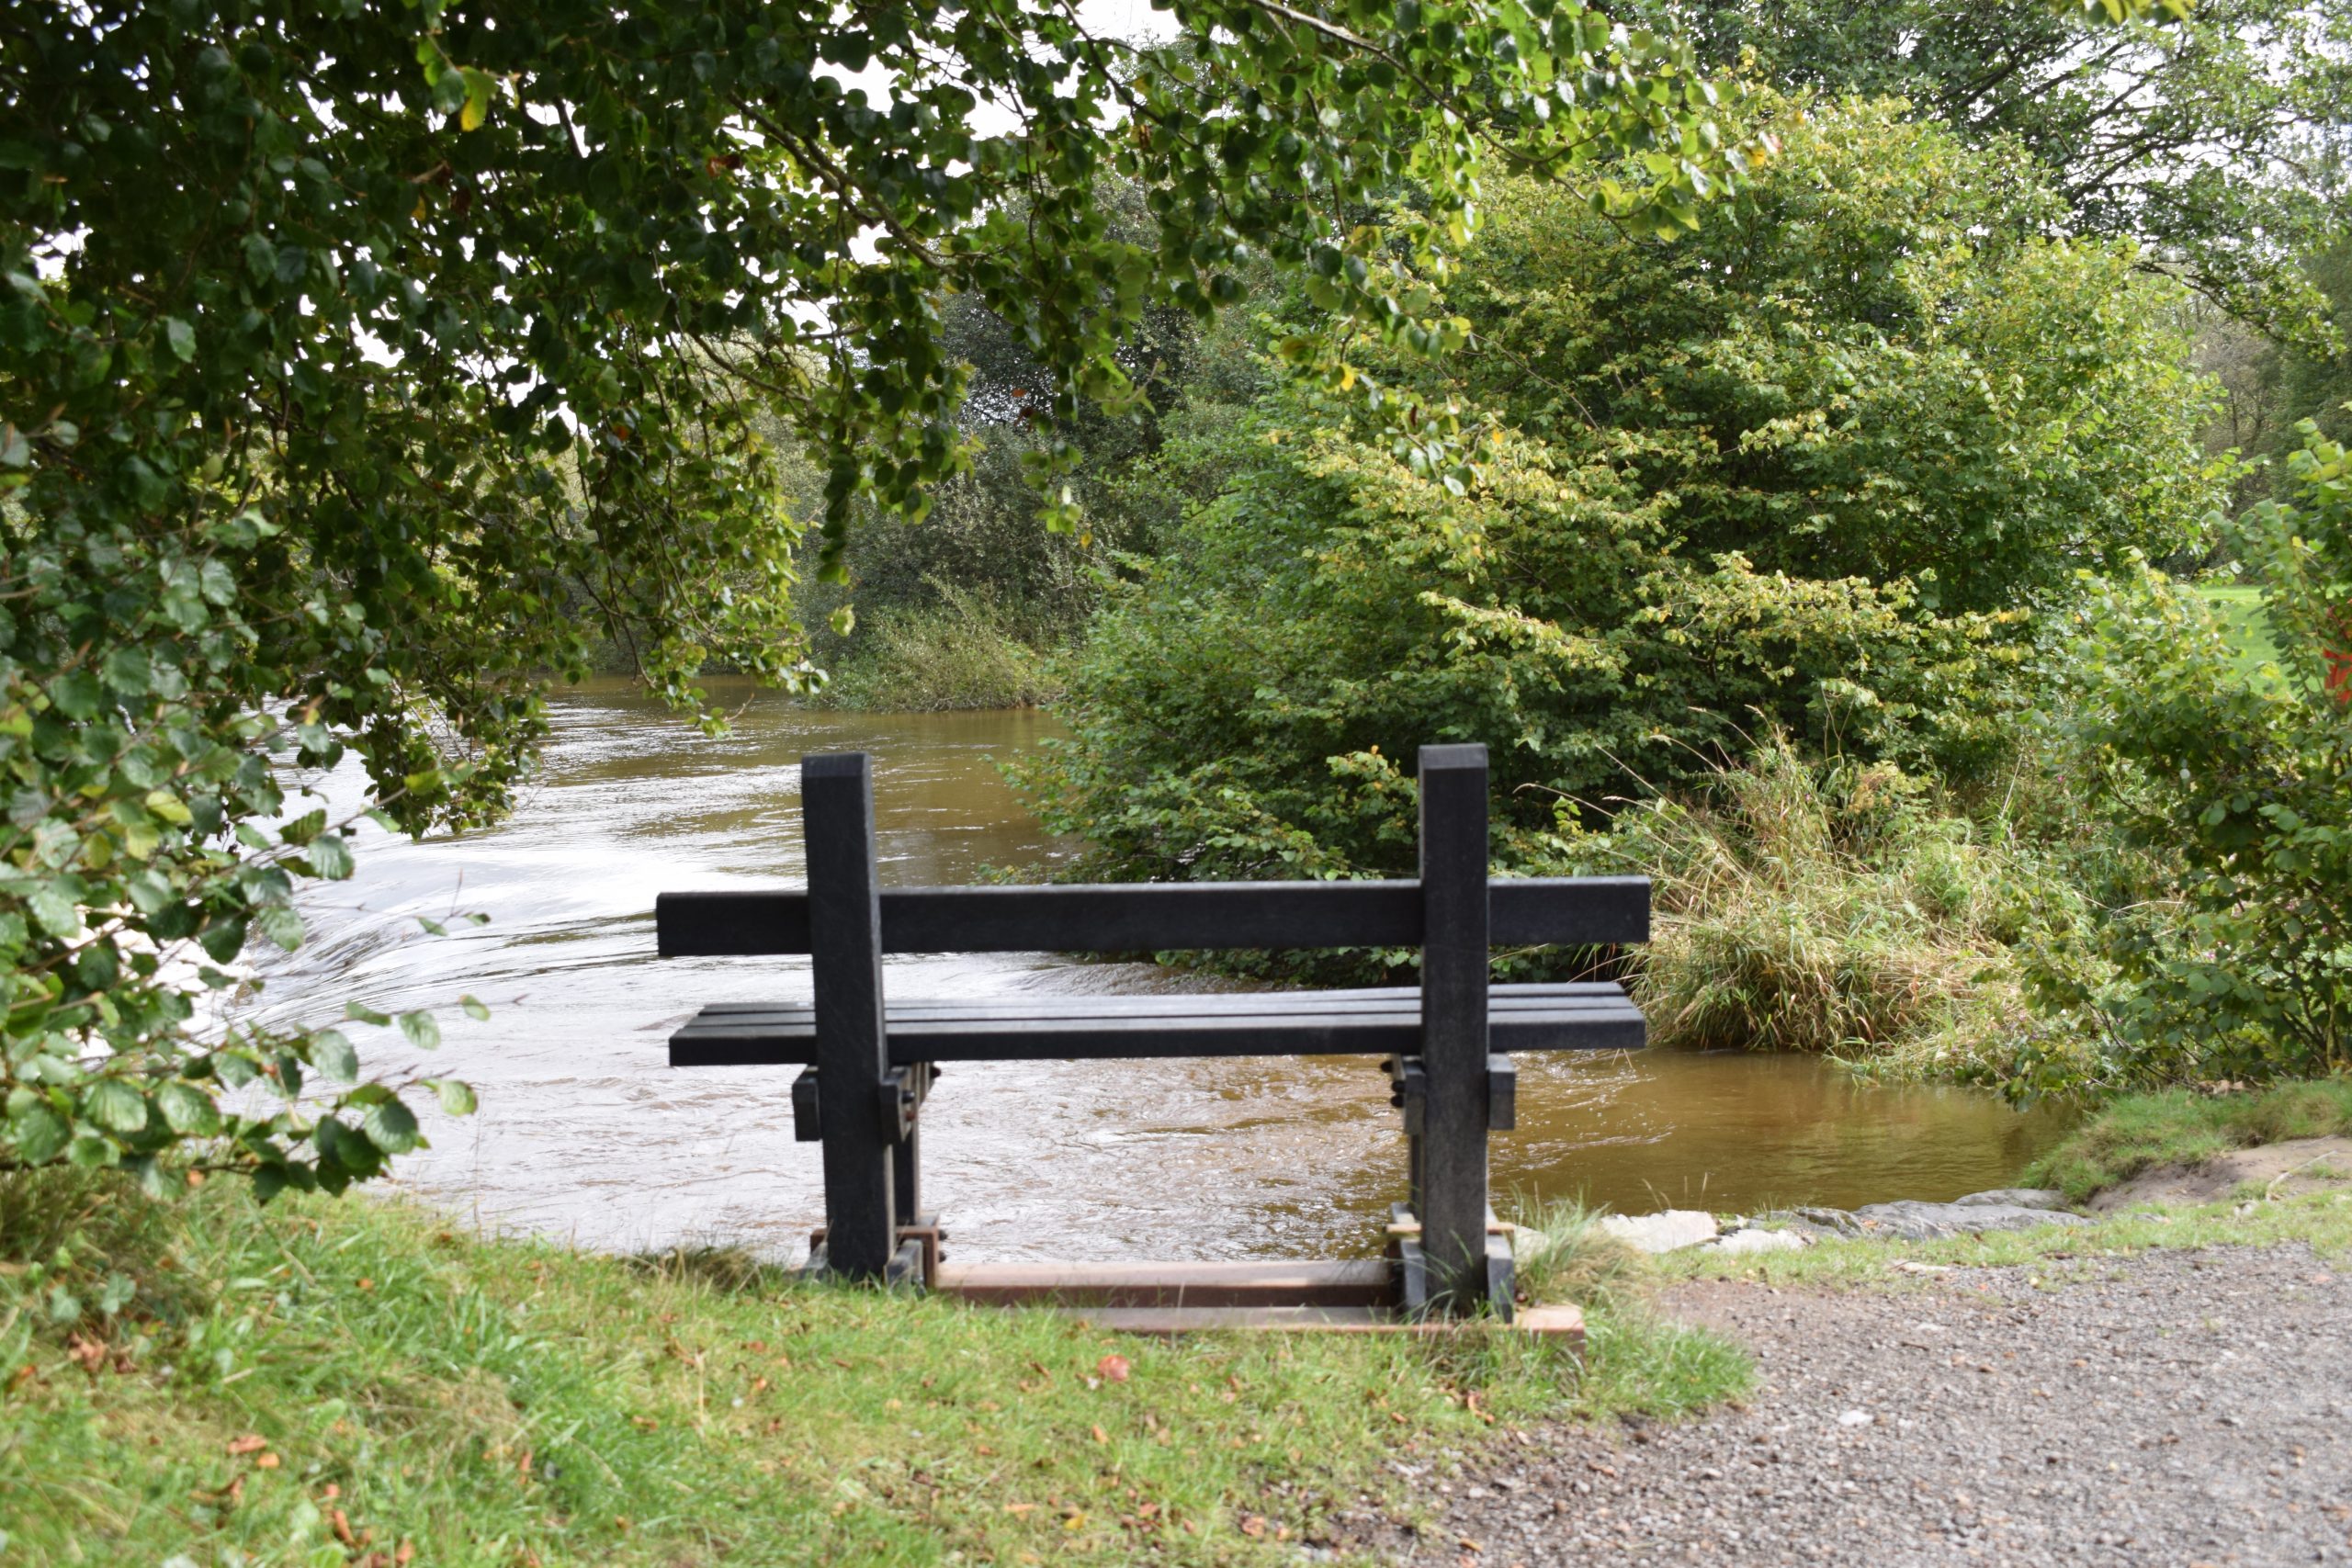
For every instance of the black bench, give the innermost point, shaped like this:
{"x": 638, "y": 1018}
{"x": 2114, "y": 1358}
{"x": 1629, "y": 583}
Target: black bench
{"x": 870, "y": 1063}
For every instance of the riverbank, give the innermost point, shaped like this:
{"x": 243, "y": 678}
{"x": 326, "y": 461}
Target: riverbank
{"x": 343, "y": 1381}
{"x": 360, "y": 1381}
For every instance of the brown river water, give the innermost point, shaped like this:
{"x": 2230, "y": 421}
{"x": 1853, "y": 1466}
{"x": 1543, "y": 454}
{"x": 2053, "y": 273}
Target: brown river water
{"x": 585, "y": 1132}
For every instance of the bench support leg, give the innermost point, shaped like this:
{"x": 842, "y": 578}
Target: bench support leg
{"x": 906, "y": 1154}
{"x": 852, "y": 1059}
{"x": 1450, "y": 1195}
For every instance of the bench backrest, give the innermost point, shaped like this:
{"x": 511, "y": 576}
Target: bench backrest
{"x": 1585, "y": 911}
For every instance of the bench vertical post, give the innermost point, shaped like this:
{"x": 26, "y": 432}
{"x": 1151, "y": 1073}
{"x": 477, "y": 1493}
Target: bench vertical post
{"x": 852, "y": 1060}
{"x": 1453, "y": 1175}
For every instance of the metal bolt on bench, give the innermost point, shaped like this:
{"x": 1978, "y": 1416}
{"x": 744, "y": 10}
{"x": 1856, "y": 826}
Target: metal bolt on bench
{"x": 869, "y": 1064}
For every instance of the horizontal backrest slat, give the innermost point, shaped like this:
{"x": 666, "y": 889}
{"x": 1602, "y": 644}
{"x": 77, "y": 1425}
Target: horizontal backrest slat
{"x": 1150, "y": 916}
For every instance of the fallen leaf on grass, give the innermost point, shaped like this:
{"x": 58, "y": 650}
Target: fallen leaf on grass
{"x": 265, "y": 1461}
{"x": 252, "y": 1442}
{"x": 1019, "y": 1508}
{"x": 1112, "y": 1367}
{"x": 1252, "y": 1526}
{"x": 1101, "y": 1436}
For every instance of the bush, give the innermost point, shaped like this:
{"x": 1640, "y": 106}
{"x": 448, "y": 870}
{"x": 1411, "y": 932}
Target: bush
{"x": 1808, "y": 908}
{"x": 2233, "y": 958}
{"x": 1839, "y": 907}
{"x": 960, "y": 653}
{"x": 1824, "y": 461}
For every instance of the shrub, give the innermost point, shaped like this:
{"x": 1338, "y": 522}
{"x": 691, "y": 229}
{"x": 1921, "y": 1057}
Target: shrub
{"x": 960, "y": 653}
{"x": 2233, "y": 958}
{"x": 1839, "y": 907}
{"x": 1826, "y": 461}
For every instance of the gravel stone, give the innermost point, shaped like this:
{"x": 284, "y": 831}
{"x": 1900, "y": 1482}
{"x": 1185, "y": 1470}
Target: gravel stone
{"x": 1665, "y": 1231}
{"x": 1914, "y": 1221}
{"x": 1746, "y": 1241}
{"x": 2173, "y": 1409}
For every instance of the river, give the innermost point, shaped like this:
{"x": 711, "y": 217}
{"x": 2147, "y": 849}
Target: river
{"x": 584, "y": 1132}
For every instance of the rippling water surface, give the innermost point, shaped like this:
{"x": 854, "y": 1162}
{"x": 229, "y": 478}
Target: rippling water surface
{"x": 585, "y": 1132}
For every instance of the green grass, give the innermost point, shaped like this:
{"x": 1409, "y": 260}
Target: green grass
{"x": 1832, "y": 907}
{"x": 964, "y": 652}
{"x": 2239, "y": 609}
{"x": 2142, "y": 1132}
{"x": 2321, "y": 1219}
{"x": 292, "y": 1380}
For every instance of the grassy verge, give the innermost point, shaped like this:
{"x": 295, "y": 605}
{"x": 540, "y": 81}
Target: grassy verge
{"x": 324, "y": 1382}
{"x": 2141, "y": 1131}
{"x": 2323, "y": 1220}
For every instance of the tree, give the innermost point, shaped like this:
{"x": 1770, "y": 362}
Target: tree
{"x": 2215, "y": 136}
{"x": 1827, "y": 465}
{"x": 341, "y": 346}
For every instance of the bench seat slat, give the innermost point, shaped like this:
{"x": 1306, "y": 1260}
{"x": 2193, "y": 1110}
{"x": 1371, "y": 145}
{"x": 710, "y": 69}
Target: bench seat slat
{"x": 1166, "y": 1007}
{"x": 1084, "y": 1028}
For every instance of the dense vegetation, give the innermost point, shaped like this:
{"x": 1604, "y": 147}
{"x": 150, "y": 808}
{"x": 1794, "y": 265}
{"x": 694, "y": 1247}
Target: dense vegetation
{"x": 1807, "y": 571}
{"x": 1817, "y": 467}
{"x": 361, "y": 365}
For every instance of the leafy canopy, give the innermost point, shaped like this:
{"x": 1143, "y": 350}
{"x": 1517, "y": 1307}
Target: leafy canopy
{"x": 360, "y": 361}
{"x": 2212, "y": 133}
{"x": 1822, "y": 466}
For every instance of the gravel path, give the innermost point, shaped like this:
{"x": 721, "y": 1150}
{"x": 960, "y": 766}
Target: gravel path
{"x": 2177, "y": 1408}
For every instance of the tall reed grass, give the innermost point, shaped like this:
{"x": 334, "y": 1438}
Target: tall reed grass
{"x": 966, "y": 652}
{"x": 1835, "y": 907}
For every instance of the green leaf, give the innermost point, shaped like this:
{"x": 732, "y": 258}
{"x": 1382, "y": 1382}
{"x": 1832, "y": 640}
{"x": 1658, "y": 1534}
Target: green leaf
{"x": 222, "y": 938}
{"x": 335, "y": 1056}
{"x": 37, "y": 1134}
{"x": 187, "y": 1110}
{"x": 115, "y": 1106}
{"x": 305, "y": 827}
{"x": 331, "y": 858}
{"x": 360, "y": 1012}
{"x": 456, "y": 1098}
{"x": 421, "y": 1031}
{"x": 474, "y": 1008}
{"x": 391, "y": 1126}
{"x": 76, "y": 695}
{"x": 181, "y": 336}
{"x": 53, "y": 911}
{"x": 282, "y": 924}
{"x": 479, "y": 85}
{"x": 90, "y": 1152}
